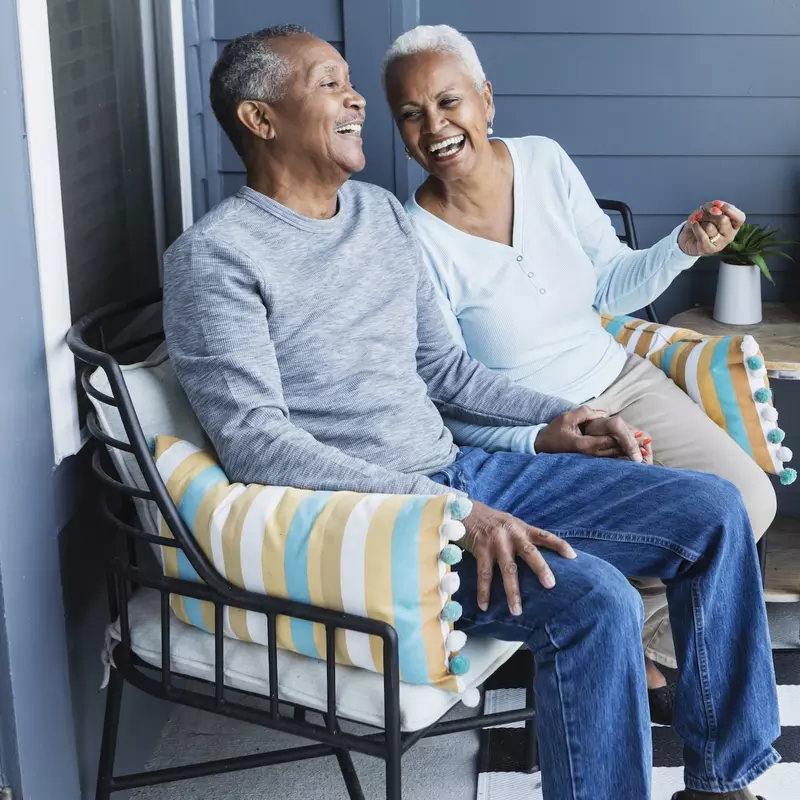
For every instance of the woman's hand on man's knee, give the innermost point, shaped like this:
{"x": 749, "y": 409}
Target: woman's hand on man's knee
{"x": 495, "y": 537}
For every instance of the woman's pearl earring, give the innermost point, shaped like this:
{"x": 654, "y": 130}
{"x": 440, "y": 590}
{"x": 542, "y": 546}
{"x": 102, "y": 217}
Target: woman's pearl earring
{"x": 408, "y": 154}
{"x": 490, "y": 129}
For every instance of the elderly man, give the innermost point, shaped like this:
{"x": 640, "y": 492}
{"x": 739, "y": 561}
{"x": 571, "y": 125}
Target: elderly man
{"x": 304, "y": 330}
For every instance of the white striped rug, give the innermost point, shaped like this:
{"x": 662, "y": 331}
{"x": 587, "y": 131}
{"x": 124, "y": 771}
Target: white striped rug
{"x": 502, "y": 748}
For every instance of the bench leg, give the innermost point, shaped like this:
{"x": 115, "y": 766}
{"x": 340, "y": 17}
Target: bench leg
{"x": 394, "y": 789}
{"x": 108, "y": 748}
{"x": 531, "y": 739}
{"x": 762, "y": 557}
{"x": 347, "y": 768}
{"x": 350, "y": 775}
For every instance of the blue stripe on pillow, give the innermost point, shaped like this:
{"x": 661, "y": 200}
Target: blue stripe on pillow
{"x": 186, "y": 572}
{"x": 406, "y": 591}
{"x": 188, "y": 506}
{"x": 295, "y": 565}
{"x": 666, "y": 357}
{"x": 616, "y": 325}
{"x": 196, "y": 491}
{"x": 726, "y": 394}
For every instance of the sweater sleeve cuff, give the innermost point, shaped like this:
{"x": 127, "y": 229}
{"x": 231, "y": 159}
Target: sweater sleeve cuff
{"x": 675, "y": 257}
{"x": 534, "y": 432}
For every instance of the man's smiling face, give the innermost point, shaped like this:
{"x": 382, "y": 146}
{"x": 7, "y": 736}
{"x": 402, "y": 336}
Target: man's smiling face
{"x": 320, "y": 116}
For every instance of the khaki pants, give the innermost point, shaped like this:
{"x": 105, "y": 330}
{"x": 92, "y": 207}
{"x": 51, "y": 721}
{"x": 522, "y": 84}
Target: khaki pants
{"x": 683, "y": 437}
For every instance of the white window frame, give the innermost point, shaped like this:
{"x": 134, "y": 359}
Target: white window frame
{"x": 48, "y": 214}
{"x": 183, "y": 145}
{"x": 48, "y": 222}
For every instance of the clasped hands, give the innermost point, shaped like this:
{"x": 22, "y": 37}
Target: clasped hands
{"x": 498, "y": 539}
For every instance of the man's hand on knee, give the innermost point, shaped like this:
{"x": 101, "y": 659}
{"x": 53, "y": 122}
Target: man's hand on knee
{"x": 586, "y": 431}
{"x": 495, "y": 537}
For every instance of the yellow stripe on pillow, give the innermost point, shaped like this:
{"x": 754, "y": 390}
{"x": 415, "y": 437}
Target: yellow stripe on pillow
{"x": 372, "y": 555}
{"x": 725, "y": 376}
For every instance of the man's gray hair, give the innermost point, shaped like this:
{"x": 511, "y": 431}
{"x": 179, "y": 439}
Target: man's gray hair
{"x": 249, "y": 69}
{"x": 436, "y": 39}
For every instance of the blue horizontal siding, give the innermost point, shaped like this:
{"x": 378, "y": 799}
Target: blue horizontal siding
{"x": 669, "y": 126}
{"x": 616, "y": 16}
{"x": 658, "y": 185}
{"x": 236, "y": 17}
{"x": 607, "y": 64}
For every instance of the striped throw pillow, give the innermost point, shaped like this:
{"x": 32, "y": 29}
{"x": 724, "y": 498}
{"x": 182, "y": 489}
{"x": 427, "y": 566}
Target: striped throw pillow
{"x": 385, "y": 557}
{"x": 724, "y": 375}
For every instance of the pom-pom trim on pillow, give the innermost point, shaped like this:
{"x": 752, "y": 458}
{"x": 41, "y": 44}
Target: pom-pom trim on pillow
{"x": 300, "y": 534}
{"x": 708, "y": 370}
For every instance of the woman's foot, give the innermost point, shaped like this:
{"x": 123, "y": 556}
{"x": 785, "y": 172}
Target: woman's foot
{"x": 655, "y": 680}
{"x": 660, "y": 695}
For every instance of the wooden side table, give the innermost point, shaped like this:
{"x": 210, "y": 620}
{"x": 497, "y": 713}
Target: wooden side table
{"x": 778, "y": 335}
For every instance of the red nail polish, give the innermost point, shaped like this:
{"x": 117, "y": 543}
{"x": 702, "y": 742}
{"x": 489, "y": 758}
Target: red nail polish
{"x": 716, "y": 210}
{"x": 638, "y": 434}
{"x": 717, "y": 203}
{"x": 647, "y": 441}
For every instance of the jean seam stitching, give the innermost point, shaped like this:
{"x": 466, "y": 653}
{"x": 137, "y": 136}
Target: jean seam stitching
{"x": 702, "y": 665}
{"x": 557, "y": 670}
{"x": 703, "y": 785}
{"x": 631, "y": 538}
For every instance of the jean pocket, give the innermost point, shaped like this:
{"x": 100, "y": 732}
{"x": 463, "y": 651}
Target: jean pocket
{"x": 452, "y": 477}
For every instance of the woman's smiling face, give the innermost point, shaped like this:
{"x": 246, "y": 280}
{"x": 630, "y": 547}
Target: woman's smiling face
{"x": 441, "y": 116}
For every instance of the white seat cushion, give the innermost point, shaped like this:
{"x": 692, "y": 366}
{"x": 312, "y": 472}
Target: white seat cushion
{"x": 162, "y": 409}
{"x": 359, "y": 693}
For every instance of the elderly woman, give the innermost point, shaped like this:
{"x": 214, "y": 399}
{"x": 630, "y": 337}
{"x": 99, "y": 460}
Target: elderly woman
{"x": 524, "y": 260}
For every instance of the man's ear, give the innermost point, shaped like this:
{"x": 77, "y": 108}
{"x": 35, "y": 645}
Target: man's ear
{"x": 256, "y": 116}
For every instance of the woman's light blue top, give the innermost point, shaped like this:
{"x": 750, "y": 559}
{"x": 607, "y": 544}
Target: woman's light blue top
{"x": 531, "y": 310}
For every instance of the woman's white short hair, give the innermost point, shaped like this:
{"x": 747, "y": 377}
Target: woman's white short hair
{"x": 436, "y": 39}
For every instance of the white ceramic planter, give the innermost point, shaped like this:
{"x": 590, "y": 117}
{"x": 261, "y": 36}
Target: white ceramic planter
{"x": 738, "y": 300}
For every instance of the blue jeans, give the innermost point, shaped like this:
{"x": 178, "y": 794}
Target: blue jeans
{"x": 687, "y": 528}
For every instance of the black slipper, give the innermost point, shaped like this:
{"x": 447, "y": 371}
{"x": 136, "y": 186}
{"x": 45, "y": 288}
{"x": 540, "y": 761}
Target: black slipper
{"x": 662, "y": 704}
{"x": 683, "y": 796}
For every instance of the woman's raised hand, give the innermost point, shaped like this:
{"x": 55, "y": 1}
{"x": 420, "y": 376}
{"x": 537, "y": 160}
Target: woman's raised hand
{"x": 710, "y": 228}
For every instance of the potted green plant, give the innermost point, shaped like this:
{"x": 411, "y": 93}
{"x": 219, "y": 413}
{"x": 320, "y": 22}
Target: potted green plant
{"x": 738, "y": 300}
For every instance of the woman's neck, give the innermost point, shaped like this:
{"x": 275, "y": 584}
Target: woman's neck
{"x": 475, "y": 194}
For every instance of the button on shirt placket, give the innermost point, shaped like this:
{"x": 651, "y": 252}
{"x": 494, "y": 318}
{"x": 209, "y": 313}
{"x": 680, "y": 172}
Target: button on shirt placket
{"x": 529, "y": 274}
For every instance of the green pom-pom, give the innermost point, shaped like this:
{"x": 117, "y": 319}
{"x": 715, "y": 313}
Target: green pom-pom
{"x": 755, "y": 362}
{"x": 460, "y": 508}
{"x": 788, "y": 476}
{"x": 452, "y": 611}
{"x": 763, "y": 395}
{"x": 459, "y": 665}
{"x": 451, "y": 554}
{"x": 776, "y": 436}
{"x": 151, "y": 445}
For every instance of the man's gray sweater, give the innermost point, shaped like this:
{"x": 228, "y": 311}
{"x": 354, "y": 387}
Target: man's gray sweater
{"x": 313, "y": 351}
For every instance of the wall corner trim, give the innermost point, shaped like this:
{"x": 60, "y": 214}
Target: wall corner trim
{"x": 48, "y": 219}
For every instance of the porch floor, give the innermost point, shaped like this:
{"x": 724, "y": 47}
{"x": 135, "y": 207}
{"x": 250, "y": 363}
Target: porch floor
{"x": 442, "y": 768}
